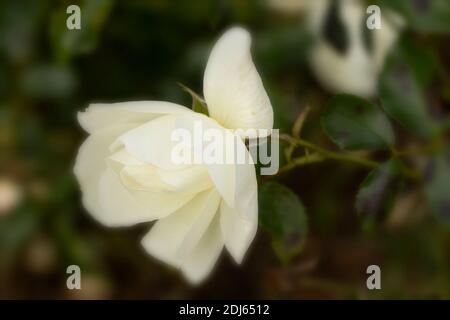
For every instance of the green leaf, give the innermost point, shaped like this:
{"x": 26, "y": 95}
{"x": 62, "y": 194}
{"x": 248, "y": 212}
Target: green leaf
{"x": 283, "y": 216}
{"x": 432, "y": 16}
{"x": 402, "y": 97}
{"x": 198, "y": 104}
{"x": 437, "y": 187}
{"x": 423, "y": 61}
{"x": 375, "y": 195}
{"x": 426, "y": 16}
{"x": 354, "y": 123}
{"x": 435, "y": 18}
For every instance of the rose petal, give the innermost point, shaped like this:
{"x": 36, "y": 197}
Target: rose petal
{"x": 233, "y": 89}
{"x": 151, "y": 143}
{"x": 100, "y": 115}
{"x": 194, "y": 178}
{"x": 235, "y": 181}
{"x": 119, "y": 206}
{"x": 166, "y": 240}
{"x": 203, "y": 258}
{"x": 237, "y": 232}
{"x": 90, "y": 163}
{"x": 143, "y": 178}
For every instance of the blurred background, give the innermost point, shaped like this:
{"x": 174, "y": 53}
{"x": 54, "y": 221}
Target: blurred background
{"x": 140, "y": 50}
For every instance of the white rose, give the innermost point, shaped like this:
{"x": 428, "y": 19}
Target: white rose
{"x": 127, "y": 175}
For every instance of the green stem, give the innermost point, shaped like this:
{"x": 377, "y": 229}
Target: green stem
{"x": 305, "y": 160}
{"x": 323, "y": 154}
{"x": 330, "y": 154}
{"x": 428, "y": 149}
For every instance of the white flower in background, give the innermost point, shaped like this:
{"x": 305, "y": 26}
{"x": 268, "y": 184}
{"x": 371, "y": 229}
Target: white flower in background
{"x": 127, "y": 175}
{"x": 10, "y": 195}
{"x": 341, "y": 58}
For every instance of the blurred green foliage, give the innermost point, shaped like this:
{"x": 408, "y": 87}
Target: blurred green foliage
{"x": 354, "y": 123}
